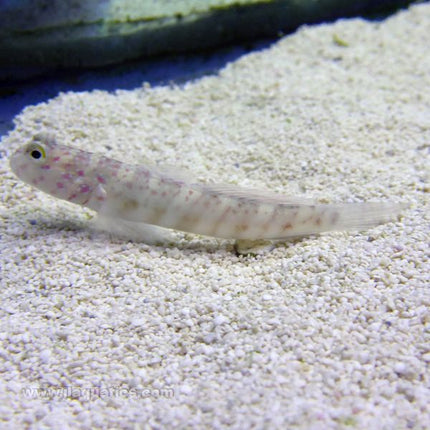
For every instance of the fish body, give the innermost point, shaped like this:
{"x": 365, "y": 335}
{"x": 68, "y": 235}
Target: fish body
{"x": 145, "y": 194}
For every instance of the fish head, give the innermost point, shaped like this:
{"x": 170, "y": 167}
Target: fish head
{"x": 58, "y": 170}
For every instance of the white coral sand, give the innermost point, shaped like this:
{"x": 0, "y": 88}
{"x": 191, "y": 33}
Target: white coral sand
{"x": 330, "y": 331}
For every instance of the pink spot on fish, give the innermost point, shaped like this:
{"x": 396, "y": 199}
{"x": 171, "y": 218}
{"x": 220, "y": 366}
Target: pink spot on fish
{"x": 46, "y": 167}
{"x": 80, "y": 173}
{"x": 57, "y": 158}
{"x": 38, "y": 180}
{"x": 101, "y": 180}
{"x": 60, "y": 185}
{"x": 84, "y": 188}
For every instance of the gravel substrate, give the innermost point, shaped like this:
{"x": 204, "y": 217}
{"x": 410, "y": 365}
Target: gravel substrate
{"x": 329, "y": 331}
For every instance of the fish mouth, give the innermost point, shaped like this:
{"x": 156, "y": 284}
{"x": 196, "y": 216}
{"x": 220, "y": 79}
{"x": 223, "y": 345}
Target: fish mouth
{"x": 20, "y": 166}
{"x": 14, "y": 163}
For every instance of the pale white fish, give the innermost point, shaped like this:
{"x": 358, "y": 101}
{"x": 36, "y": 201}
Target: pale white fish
{"x": 133, "y": 194}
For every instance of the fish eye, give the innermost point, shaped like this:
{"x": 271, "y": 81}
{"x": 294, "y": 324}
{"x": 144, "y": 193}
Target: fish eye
{"x": 36, "y": 152}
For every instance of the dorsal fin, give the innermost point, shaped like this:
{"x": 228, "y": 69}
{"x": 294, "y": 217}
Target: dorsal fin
{"x": 262, "y": 196}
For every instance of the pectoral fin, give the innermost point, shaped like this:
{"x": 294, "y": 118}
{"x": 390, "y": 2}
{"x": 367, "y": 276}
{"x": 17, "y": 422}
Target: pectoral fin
{"x": 135, "y": 231}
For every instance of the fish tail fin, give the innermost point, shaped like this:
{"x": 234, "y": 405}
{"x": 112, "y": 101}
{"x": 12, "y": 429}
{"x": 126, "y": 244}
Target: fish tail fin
{"x": 360, "y": 216}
